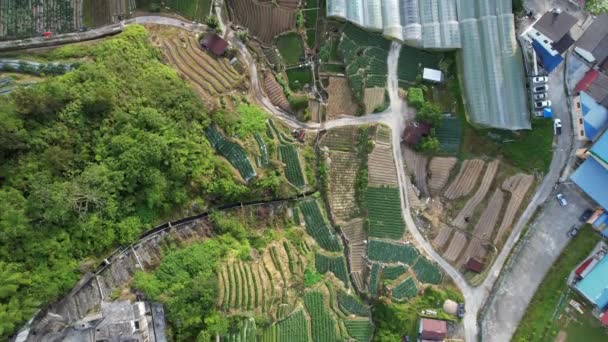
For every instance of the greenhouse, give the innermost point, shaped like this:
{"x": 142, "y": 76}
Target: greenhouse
{"x": 492, "y": 71}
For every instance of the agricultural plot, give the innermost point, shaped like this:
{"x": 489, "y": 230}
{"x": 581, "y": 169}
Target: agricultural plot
{"x": 391, "y": 252}
{"x": 405, "y": 290}
{"x": 263, "y": 158}
{"x": 413, "y": 201}
{"x": 296, "y": 327}
{"x": 486, "y": 223}
{"x": 342, "y": 178}
{"x": 374, "y": 98}
{"x": 299, "y": 77}
{"x": 342, "y": 138}
{"x": 427, "y": 272}
{"x": 383, "y": 135}
{"x": 293, "y": 169}
{"x": 27, "y": 18}
{"x": 382, "y": 169}
{"x": 324, "y": 327}
{"x": 275, "y": 92}
{"x": 318, "y": 227}
{"x": 99, "y": 13}
{"x": 466, "y": 212}
{"x": 340, "y": 101}
{"x": 443, "y": 236}
{"x": 333, "y": 264}
{"x": 246, "y": 334}
{"x": 518, "y": 185}
{"x": 374, "y": 279}
{"x": 257, "y": 15}
{"x": 416, "y": 163}
{"x": 233, "y": 152}
{"x": 290, "y": 47}
{"x": 457, "y": 244}
{"x": 352, "y": 306}
{"x": 466, "y": 179}
{"x": 449, "y": 134}
{"x": 439, "y": 173}
{"x": 412, "y": 61}
{"x": 354, "y": 231}
{"x": 384, "y": 213}
{"x": 393, "y": 272}
{"x": 272, "y": 56}
{"x": 196, "y": 10}
{"x": 362, "y": 330}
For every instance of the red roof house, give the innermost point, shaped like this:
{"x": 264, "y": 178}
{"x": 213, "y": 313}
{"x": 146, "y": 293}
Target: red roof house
{"x": 432, "y": 329}
{"x": 214, "y": 43}
{"x": 579, "y": 271}
{"x": 586, "y": 82}
{"x": 414, "y": 131}
{"x": 474, "y": 265}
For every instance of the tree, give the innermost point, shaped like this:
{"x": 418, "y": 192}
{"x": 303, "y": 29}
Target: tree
{"x": 212, "y": 21}
{"x": 429, "y": 113}
{"x": 415, "y": 97}
{"x": 429, "y": 145}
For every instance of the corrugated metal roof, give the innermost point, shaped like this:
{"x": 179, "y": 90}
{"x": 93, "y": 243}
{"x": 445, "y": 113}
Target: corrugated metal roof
{"x": 600, "y": 149}
{"x": 555, "y": 25}
{"x": 592, "y": 178}
{"x": 595, "y": 116}
{"x": 593, "y": 36}
{"x": 595, "y": 285}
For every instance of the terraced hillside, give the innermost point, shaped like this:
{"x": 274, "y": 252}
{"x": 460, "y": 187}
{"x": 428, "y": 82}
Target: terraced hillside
{"x": 257, "y": 16}
{"x": 30, "y": 18}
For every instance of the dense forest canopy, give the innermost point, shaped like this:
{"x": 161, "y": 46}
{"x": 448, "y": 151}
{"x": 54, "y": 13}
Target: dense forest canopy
{"x": 91, "y": 158}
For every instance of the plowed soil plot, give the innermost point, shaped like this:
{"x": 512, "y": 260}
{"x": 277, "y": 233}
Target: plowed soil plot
{"x": 263, "y": 20}
{"x": 412, "y": 198}
{"x": 439, "y": 172}
{"x": 382, "y": 169}
{"x": 340, "y": 100}
{"x": 465, "y": 180}
{"x": 474, "y": 250}
{"x": 485, "y": 226}
{"x": 459, "y": 241}
{"x": 373, "y": 98}
{"x": 275, "y": 92}
{"x": 466, "y": 212}
{"x": 342, "y": 176}
{"x": 356, "y": 236}
{"x": 443, "y": 237}
{"x": 416, "y": 163}
{"x": 518, "y": 185}
{"x": 342, "y": 139}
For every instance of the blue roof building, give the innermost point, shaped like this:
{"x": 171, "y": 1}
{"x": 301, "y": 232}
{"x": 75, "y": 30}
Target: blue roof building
{"x": 595, "y": 116}
{"x": 592, "y": 175}
{"x": 594, "y": 286}
{"x": 599, "y": 150}
{"x": 549, "y": 59}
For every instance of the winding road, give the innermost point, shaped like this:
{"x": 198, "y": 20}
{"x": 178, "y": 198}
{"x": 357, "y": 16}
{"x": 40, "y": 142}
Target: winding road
{"x": 395, "y": 117}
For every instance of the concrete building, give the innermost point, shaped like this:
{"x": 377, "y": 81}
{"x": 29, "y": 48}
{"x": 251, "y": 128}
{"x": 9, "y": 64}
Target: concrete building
{"x": 592, "y": 281}
{"x": 593, "y": 44}
{"x": 592, "y": 175}
{"x": 551, "y": 37}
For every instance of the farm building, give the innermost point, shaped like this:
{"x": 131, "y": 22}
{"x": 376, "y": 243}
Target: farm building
{"x": 593, "y": 44}
{"x": 551, "y": 37}
{"x": 432, "y": 329}
{"x": 592, "y": 282}
{"x": 474, "y": 265}
{"x": 214, "y": 43}
{"x": 483, "y": 29}
{"x": 416, "y": 131}
{"x": 592, "y": 175}
{"x": 432, "y": 75}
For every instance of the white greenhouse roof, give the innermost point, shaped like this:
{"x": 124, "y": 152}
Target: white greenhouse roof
{"x": 433, "y": 75}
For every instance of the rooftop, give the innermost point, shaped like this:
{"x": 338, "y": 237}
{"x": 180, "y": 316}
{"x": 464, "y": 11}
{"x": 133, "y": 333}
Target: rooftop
{"x": 415, "y": 131}
{"x": 595, "y": 38}
{"x": 600, "y": 150}
{"x": 592, "y": 178}
{"x": 555, "y": 25}
{"x": 214, "y": 43}
{"x": 474, "y": 265}
{"x": 595, "y": 116}
{"x": 595, "y": 285}
{"x": 433, "y": 329}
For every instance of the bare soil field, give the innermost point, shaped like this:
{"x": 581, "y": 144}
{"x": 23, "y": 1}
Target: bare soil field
{"x": 443, "y": 237}
{"x": 373, "y": 98}
{"x": 466, "y": 213}
{"x": 275, "y": 92}
{"x": 412, "y": 198}
{"x": 341, "y": 101}
{"x": 518, "y": 186}
{"x": 439, "y": 173}
{"x": 416, "y": 163}
{"x": 382, "y": 170}
{"x": 341, "y": 139}
{"x": 458, "y": 243}
{"x": 264, "y": 20}
{"x": 354, "y": 231}
{"x": 343, "y": 170}
{"x": 476, "y": 250}
{"x": 315, "y": 110}
{"x": 465, "y": 180}
{"x": 383, "y": 135}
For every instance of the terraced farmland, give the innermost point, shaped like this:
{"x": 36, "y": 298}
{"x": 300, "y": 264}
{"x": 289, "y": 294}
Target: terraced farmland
{"x": 427, "y": 272}
{"x": 293, "y": 169}
{"x": 257, "y": 15}
{"x": 465, "y": 213}
{"x": 343, "y": 170}
{"x": 374, "y": 279}
{"x": 29, "y": 18}
{"x": 384, "y": 213}
{"x": 318, "y": 227}
{"x": 324, "y": 326}
{"x": 296, "y": 327}
{"x": 341, "y": 100}
{"x": 361, "y": 330}
{"x": 416, "y": 164}
{"x": 405, "y": 290}
{"x": 352, "y": 306}
{"x": 466, "y": 179}
{"x": 99, "y": 13}
{"x": 382, "y": 170}
{"x": 334, "y": 264}
{"x": 373, "y": 98}
{"x": 354, "y": 231}
{"x": 391, "y": 252}
{"x": 439, "y": 173}
{"x": 275, "y": 92}
{"x": 518, "y": 185}
{"x": 393, "y": 272}
{"x": 196, "y": 10}
{"x": 341, "y": 139}
{"x": 457, "y": 244}
{"x": 443, "y": 236}
{"x": 232, "y": 151}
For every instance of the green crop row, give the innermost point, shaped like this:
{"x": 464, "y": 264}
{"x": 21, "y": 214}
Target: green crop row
{"x": 232, "y": 151}
{"x": 405, "y": 290}
{"x": 374, "y": 279}
{"x": 393, "y": 272}
{"x": 384, "y": 213}
{"x": 384, "y": 251}
{"x": 361, "y": 330}
{"x": 318, "y": 227}
{"x": 335, "y": 265}
{"x": 352, "y": 305}
{"x": 427, "y": 272}
{"x": 293, "y": 169}
{"x": 323, "y": 324}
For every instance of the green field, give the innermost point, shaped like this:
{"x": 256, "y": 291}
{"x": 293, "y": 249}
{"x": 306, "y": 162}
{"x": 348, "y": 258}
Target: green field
{"x": 290, "y": 47}
{"x": 298, "y": 77}
{"x": 449, "y": 134}
{"x": 384, "y": 212}
{"x": 192, "y": 9}
{"x": 536, "y": 324}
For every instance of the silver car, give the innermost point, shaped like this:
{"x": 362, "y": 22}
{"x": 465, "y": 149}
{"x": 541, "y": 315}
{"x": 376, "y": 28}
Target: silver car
{"x": 538, "y": 97}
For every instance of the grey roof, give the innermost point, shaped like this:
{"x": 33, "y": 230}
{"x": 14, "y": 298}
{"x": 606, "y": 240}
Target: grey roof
{"x": 598, "y": 90}
{"x": 554, "y": 25}
{"x": 595, "y": 38}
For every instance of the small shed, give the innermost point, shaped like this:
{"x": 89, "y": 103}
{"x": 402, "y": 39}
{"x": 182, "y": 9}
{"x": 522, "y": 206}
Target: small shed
{"x": 415, "y": 131}
{"x": 432, "y": 75}
{"x": 474, "y": 265}
{"x": 214, "y": 43}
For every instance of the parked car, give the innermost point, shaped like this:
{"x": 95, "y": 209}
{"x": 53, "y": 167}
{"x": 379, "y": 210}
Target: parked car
{"x": 542, "y": 104}
{"x": 573, "y": 231}
{"x": 562, "y": 200}
{"x": 586, "y": 215}
{"x": 461, "y": 310}
{"x": 541, "y": 89}
{"x": 540, "y": 96}
{"x": 557, "y": 126}
{"x": 540, "y": 79}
